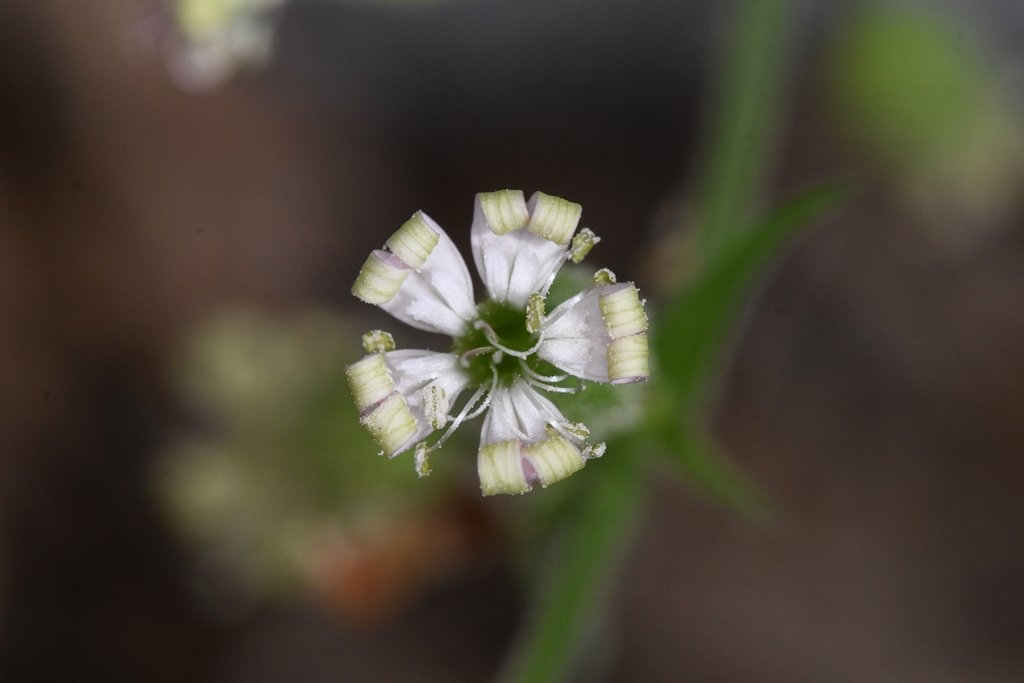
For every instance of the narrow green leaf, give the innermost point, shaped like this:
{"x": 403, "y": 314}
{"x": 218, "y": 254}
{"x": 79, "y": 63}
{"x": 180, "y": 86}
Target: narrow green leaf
{"x": 581, "y": 566}
{"x": 713, "y": 473}
{"x": 690, "y": 335}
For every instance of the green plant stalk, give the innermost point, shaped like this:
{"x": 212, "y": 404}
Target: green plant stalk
{"x": 581, "y": 568}
{"x": 691, "y": 334}
{"x": 745, "y": 121}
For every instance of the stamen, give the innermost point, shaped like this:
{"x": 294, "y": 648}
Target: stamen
{"x": 435, "y": 405}
{"x": 582, "y": 243}
{"x": 486, "y": 403}
{"x": 465, "y": 413}
{"x": 473, "y": 353}
{"x": 492, "y": 338}
{"x": 548, "y": 387}
{"x": 604, "y": 277}
{"x": 421, "y": 460}
{"x": 559, "y": 429}
{"x": 378, "y": 341}
{"x": 530, "y": 372}
{"x": 534, "y": 313}
{"x": 577, "y": 429}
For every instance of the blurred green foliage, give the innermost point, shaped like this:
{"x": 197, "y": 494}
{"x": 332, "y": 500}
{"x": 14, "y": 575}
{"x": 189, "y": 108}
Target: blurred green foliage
{"x": 282, "y": 463}
{"x": 922, "y": 103}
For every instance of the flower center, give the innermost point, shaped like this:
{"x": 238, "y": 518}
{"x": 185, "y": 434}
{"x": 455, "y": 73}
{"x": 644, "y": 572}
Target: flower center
{"x": 498, "y": 325}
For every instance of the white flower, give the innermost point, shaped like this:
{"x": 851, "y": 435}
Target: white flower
{"x": 506, "y": 350}
{"x": 211, "y": 40}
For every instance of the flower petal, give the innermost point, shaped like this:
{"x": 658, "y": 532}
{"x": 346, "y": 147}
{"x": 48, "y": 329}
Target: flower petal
{"x": 553, "y": 218}
{"x": 553, "y": 459}
{"x": 627, "y": 359}
{"x": 421, "y": 279}
{"x": 380, "y": 278}
{"x": 520, "y": 444}
{"x": 426, "y": 377}
{"x": 518, "y": 247}
{"x": 370, "y": 381}
{"x": 391, "y": 424}
{"x": 405, "y": 395}
{"x": 600, "y": 335}
{"x": 500, "y": 468}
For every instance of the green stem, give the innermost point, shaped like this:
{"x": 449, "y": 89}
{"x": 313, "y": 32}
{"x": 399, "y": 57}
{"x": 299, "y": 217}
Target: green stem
{"x": 745, "y": 122}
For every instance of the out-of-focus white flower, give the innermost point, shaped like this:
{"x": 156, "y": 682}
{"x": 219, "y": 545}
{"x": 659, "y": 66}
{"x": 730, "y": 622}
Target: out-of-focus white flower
{"x": 208, "y": 41}
{"x": 506, "y": 350}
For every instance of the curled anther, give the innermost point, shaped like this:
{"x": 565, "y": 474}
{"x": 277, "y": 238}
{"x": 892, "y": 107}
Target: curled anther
{"x": 421, "y": 458}
{"x": 604, "y": 276}
{"x": 378, "y": 341}
{"x": 582, "y": 243}
{"x": 534, "y": 313}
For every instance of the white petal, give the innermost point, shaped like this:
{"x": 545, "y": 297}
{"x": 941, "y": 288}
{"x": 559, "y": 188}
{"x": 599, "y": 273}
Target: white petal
{"x": 600, "y": 335}
{"x": 413, "y": 370}
{"x": 403, "y": 396}
{"x": 518, "y": 257}
{"x": 423, "y": 280}
{"x": 518, "y": 447}
{"x": 427, "y": 379}
{"x": 518, "y": 412}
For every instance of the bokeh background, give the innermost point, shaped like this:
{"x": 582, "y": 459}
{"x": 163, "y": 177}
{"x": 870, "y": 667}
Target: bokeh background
{"x": 185, "y": 494}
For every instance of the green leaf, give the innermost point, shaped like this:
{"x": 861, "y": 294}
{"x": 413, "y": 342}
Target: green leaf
{"x": 713, "y": 473}
{"x": 580, "y": 570}
{"x": 690, "y": 335}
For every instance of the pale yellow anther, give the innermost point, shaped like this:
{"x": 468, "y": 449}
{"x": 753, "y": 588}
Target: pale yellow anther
{"x": 414, "y": 241}
{"x": 534, "y": 313}
{"x": 582, "y": 243}
{"x": 553, "y": 218}
{"x": 623, "y": 313}
{"x": 627, "y": 359}
{"x": 378, "y": 341}
{"x": 554, "y": 459}
{"x": 421, "y": 459}
{"x": 591, "y": 451}
{"x": 379, "y": 279}
{"x": 370, "y": 381}
{"x": 576, "y": 429}
{"x": 391, "y": 424}
{"x": 435, "y": 405}
{"x": 500, "y": 468}
{"x": 505, "y": 210}
{"x": 604, "y": 277}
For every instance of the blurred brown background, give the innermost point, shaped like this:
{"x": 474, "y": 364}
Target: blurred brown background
{"x": 876, "y": 393}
